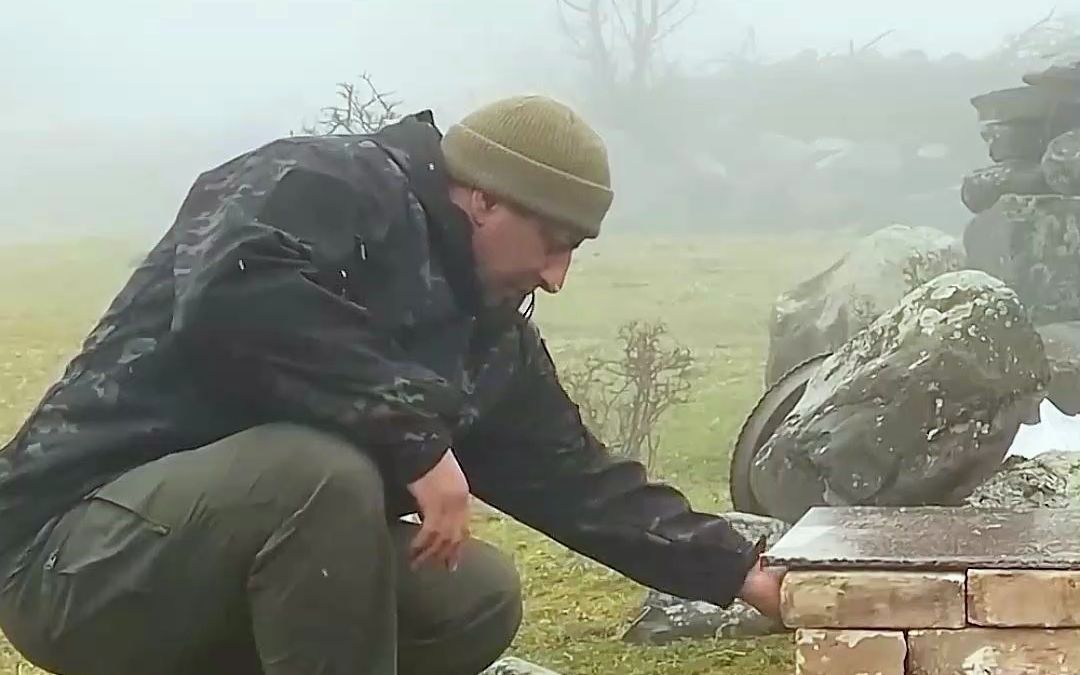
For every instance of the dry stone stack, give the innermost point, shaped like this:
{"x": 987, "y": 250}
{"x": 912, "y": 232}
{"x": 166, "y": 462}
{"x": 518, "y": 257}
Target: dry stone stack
{"x": 1026, "y": 230}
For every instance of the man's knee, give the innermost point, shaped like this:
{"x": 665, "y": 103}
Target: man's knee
{"x": 494, "y": 580}
{"x": 460, "y": 621}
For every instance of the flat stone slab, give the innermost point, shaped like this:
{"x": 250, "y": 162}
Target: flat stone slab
{"x": 930, "y": 538}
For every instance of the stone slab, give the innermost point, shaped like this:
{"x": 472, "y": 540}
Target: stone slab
{"x": 838, "y": 652}
{"x": 1019, "y": 598}
{"x": 1001, "y": 651}
{"x": 873, "y": 599}
{"x": 930, "y": 538}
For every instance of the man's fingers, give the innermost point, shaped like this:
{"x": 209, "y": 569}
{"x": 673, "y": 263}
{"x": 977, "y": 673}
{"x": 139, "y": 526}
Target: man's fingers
{"x": 436, "y": 551}
{"x": 424, "y": 540}
{"x": 440, "y": 541}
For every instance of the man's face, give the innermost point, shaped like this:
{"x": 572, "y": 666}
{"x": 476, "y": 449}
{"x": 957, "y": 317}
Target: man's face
{"x": 517, "y": 252}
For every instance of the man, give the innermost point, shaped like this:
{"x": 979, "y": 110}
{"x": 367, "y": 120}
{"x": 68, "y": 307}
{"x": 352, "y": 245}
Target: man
{"x": 326, "y": 340}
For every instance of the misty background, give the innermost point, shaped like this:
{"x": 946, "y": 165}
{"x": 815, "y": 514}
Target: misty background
{"x": 750, "y": 114}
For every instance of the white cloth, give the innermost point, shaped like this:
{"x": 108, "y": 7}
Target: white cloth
{"x": 1054, "y": 431}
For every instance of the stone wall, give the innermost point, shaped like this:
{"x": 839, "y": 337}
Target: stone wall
{"x": 934, "y": 623}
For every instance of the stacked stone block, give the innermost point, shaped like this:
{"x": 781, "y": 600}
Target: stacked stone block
{"x": 1004, "y": 614}
{"x": 1031, "y": 137}
{"x": 934, "y": 623}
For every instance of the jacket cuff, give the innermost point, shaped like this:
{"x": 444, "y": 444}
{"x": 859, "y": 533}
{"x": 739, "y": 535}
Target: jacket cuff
{"x": 732, "y": 582}
{"x": 412, "y": 461}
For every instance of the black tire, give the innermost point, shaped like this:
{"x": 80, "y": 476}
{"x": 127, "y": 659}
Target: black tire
{"x": 760, "y": 424}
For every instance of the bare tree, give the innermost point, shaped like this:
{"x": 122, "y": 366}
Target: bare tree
{"x": 358, "y": 113}
{"x": 622, "y": 40}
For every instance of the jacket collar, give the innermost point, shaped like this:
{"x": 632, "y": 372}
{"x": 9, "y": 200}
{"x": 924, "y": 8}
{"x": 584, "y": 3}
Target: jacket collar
{"x": 449, "y": 228}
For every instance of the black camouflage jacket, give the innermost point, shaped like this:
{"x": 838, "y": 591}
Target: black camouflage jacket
{"x": 329, "y": 281}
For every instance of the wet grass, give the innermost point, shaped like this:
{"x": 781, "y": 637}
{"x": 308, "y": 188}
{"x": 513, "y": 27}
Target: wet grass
{"x": 715, "y": 294}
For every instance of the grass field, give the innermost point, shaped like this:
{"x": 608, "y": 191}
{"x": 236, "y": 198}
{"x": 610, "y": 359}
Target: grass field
{"x": 714, "y": 293}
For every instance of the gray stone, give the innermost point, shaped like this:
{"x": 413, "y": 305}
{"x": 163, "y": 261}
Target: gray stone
{"x": 515, "y": 666}
{"x": 679, "y": 620}
{"x": 918, "y": 408}
{"x": 823, "y": 312}
{"x": 1049, "y": 105}
{"x": 1061, "y": 163}
{"x": 983, "y": 187}
{"x": 665, "y": 618}
{"x": 1049, "y": 480}
{"x": 1032, "y": 243}
{"x": 1022, "y": 483}
{"x": 1062, "y": 343}
{"x": 1021, "y": 139}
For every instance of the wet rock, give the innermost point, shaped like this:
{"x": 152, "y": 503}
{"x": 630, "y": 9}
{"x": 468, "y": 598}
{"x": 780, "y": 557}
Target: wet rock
{"x": 1063, "y": 75}
{"x": 918, "y": 408}
{"x": 823, "y": 312}
{"x": 1022, "y": 483}
{"x": 515, "y": 666}
{"x": 1017, "y": 140}
{"x": 1062, "y": 343}
{"x": 681, "y": 619}
{"x": 983, "y": 187}
{"x": 1054, "y": 107}
{"x": 1061, "y": 163}
{"x": 665, "y": 618}
{"x": 1032, "y": 243}
{"x": 1049, "y": 480}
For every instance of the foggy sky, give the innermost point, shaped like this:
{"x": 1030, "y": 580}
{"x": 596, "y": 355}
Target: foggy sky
{"x": 137, "y": 97}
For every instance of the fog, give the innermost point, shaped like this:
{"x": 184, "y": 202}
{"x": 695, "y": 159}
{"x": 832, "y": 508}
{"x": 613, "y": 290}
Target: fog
{"x": 110, "y": 109}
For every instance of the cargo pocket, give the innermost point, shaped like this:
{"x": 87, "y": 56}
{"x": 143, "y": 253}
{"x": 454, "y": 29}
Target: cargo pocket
{"x": 117, "y": 526}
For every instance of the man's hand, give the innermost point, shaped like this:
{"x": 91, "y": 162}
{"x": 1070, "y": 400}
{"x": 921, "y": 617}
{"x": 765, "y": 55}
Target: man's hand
{"x": 761, "y": 590}
{"x": 443, "y": 497}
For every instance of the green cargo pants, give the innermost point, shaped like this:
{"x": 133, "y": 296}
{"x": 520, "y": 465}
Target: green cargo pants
{"x": 269, "y": 552}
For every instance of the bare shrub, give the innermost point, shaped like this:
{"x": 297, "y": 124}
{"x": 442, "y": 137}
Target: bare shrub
{"x": 358, "y": 112}
{"x": 623, "y": 398}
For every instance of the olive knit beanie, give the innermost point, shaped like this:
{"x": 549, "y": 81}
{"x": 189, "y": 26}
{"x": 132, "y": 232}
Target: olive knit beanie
{"x": 536, "y": 153}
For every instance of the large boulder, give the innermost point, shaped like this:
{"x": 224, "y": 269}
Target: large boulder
{"x": 665, "y": 618}
{"x": 918, "y": 408}
{"x": 1032, "y": 242}
{"x": 823, "y": 312}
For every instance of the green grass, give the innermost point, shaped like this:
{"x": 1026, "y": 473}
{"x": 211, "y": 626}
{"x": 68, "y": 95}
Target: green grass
{"x": 714, "y": 293}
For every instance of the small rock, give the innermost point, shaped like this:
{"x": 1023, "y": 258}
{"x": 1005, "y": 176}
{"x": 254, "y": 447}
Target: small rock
{"x": 1050, "y": 480}
{"x": 659, "y": 625}
{"x": 665, "y": 617}
{"x": 515, "y": 666}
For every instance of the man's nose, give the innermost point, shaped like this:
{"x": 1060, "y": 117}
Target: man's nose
{"x": 553, "y": 275}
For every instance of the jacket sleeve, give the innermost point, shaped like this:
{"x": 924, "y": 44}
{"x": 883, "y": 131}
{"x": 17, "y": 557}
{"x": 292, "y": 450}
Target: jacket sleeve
{"x": 534, "y": 459}
{"x": 261, "y": 314}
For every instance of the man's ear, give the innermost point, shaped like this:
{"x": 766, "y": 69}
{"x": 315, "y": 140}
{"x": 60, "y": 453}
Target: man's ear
{"x": 483, "y": 204}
